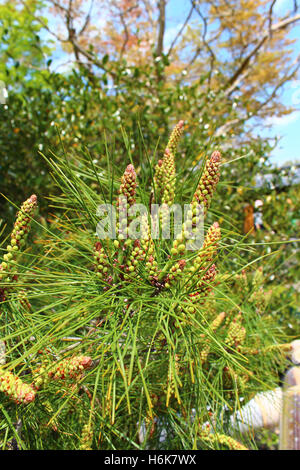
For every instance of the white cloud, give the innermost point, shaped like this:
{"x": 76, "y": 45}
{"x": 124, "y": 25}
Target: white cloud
{"x": 170, "y": 35}
{"x": 284, "y": 120}
{"x": 281, "y": 5}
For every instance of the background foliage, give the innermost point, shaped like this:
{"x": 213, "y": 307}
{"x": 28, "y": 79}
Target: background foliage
{"x": 164, "y": 366}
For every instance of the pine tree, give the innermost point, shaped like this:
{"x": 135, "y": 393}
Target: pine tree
{"x": 121, "y": 341}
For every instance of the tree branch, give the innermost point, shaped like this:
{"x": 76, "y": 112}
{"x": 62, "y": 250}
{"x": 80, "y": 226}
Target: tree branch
{"x": 181, "y": 30}
{"x": 87, "y": 19}
{"x": 161, "y": 27}
{"x": 277, "y": 27}
{"x": 122, "y": 15}
{"x": 285, "y": 79}
{"x": 205, "y": 42}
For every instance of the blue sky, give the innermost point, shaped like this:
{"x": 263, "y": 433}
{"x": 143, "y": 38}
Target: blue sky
{"x": 287, "y": 127}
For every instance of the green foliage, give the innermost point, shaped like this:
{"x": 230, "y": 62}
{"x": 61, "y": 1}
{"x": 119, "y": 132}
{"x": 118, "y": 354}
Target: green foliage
{"x": 161, "y": 361}
{"x": 87, "y": 110}
{"x": 22, "y": 49}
